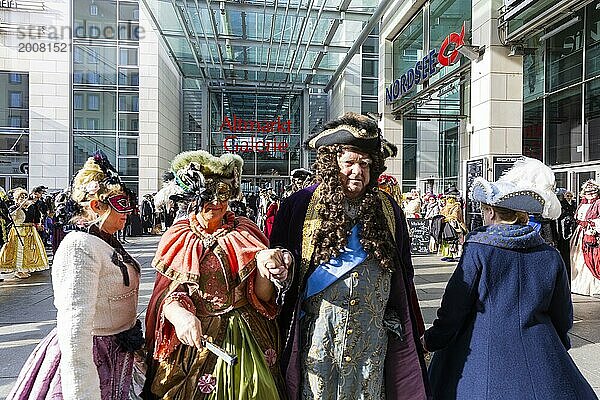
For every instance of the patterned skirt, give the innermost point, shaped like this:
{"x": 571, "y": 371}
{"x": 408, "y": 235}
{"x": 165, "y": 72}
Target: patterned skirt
{"x": 24, "y": 251}
{"x": 40, "y": 377}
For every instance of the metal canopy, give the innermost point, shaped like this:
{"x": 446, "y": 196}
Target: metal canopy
{"x": 277, "y": 44}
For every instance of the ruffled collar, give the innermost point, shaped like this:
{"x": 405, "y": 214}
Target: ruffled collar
{"x": 506, "y": 236}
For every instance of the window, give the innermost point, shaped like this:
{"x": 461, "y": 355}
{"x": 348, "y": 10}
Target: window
{"x": 92, "y": 56}
{"x": 93, "y": 102}
{"x": 101, "y": 65}
{"x": 94, "y": 19}
{"x": 592, "y": 37}
{"x": 128, "y": 31}
{"x": 128, "y": 147}
{"x": 15, "y": 78}
{"x": 129, "y": 77}
{"x": 129, "y": 12}
{"x": 92, "y": 78}
{"x": 533, "y": 115}
{"x": 564, "y": 60}
{"x": 369, "y": 87}
{"x": 371, "y": 45}
{"x": 369, "y": 68}
{"x": 77, "y": 77}
{"x": 78, "y": 123}
{"x": 592, "y": 121}
{"x": 445, "y": 17}
{"x": 15, "y": 99}
{"x": 93, "y": 124}
{"x": 128, "y": 56}
{"x": 78, "y": 101}
{"x": 409, "y": 155}
{"x": 563, "y": 127}
{"x": 128, "y": 166}
{"x": 14, "y": 122}
{"x": 533, "y": 69}
{"x": 368, "y": 107}
{"x": 78, "y": 55}
{"x": 129, "y": 102}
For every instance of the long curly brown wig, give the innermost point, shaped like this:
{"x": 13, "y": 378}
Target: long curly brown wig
{"x": 332, "y": 237}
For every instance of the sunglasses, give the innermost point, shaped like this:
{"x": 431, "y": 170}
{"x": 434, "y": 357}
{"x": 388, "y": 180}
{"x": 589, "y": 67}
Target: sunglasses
{"x": 120, "y": 203}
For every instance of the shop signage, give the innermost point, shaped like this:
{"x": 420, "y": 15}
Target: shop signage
{"x": 424, "y": 69}
{"x": 250, "y": 141}
{"x": 501, "y": 164}
{"x": 8, "y": 4}
{"x": 237, "y": 124}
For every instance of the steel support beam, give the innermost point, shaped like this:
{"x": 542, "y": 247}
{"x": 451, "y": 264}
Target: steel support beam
{"x": 328, "y": 13}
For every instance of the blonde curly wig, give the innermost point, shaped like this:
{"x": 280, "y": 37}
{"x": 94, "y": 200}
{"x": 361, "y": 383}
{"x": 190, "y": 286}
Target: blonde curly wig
{"x": 84, "y": 188}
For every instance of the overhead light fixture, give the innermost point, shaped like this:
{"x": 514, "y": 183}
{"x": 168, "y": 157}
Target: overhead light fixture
{"x": 473, "y": 53}
{"x": 560, "y": 28}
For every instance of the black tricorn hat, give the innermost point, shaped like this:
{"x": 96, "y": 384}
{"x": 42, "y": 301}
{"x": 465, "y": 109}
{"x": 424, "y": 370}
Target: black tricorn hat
{"x": 348, "y": 135}
{"x": 359, "y": 131}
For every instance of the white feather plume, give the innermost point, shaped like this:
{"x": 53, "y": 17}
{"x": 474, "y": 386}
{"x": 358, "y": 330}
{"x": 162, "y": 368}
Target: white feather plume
{"x": 531, "y": 174}
{"x": 161, "y": 198}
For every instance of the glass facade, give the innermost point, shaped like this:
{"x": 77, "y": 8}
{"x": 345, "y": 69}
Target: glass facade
{"x": 14, "y": 129}
{"x": 370, "y": 73}
{"x": 106, "y": 84}
{"x": 318, "y": 113}
{"x": 430, "y": 144}
{"x": 265, "y": 129}
{"x": 561, "y": 80}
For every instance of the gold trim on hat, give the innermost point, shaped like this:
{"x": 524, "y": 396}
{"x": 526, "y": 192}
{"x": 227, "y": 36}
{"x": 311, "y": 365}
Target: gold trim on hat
{"x": 358, "y": 133}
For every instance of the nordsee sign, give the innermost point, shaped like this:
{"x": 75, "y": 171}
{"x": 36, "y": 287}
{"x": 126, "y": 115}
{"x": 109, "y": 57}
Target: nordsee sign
{"x": 427, "y": 67}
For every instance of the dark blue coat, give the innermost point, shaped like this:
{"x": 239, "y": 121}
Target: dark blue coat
{"x": 501, "y": 331}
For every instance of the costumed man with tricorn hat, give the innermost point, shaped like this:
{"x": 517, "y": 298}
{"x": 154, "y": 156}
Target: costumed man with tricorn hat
{"x": 215, "y": 295}
{"x": 350, "y": 320}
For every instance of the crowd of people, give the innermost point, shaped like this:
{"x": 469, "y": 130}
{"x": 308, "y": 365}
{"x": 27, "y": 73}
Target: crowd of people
{"x": 310, "y": 294}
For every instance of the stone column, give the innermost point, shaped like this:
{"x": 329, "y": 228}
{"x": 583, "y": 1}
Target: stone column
{"x": 496, "y": 88}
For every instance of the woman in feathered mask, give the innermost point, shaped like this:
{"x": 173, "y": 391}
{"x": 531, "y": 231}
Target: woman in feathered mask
{"x": 90, "y": 354}
{"x": 216, "y": 282}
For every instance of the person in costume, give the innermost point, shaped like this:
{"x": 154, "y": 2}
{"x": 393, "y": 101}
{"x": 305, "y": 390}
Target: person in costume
{"x": 565, "y": 226}
{"x": 4, "y": 217}
{"x": 454, "y": 225}
{"x": 90, "y": 353}
{"x": 350, "y": 320}
{"x": 390, "y": 185}
{"x": 501, "y": 330}
{"x": 271, "y": 212}
{"x": 413, "y": 204}
{"x": 24, "y": 251}
{"x": 585, "y": 243}
{"x": 216, "y": 281}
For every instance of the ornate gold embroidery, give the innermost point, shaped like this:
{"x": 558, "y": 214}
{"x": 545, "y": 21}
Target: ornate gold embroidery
{"x": 388, "y": 211}
{"x": 312, "y": 223}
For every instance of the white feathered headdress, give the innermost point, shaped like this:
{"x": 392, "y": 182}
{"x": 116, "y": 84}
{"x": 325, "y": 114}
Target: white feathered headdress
{"x": 529, "y": 186}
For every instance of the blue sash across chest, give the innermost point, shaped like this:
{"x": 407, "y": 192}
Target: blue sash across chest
{"x": 329, "y": 272}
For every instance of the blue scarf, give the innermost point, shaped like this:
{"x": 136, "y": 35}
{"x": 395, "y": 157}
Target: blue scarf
{"x": 506, "y": 236}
